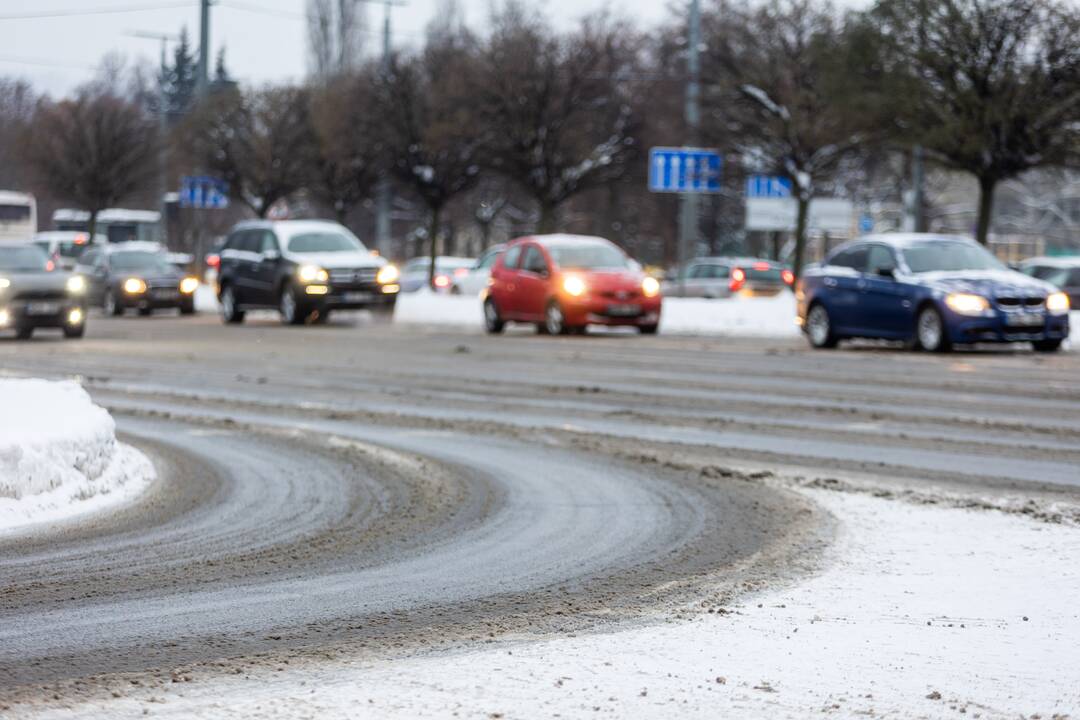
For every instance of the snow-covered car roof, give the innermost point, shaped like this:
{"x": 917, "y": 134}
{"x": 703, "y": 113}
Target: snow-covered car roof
{"x": 134, "y": 246}
{"x": 1057, "y": 261}
{"x": 109, "y": 215}
{"x": 287, "y": 229}
{"x": 67, "y": 236}
{"x": 567, "y": 239}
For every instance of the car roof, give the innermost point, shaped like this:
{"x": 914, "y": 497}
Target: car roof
{"x": 1055, "y": 261}
{"x": 719, "y": 259}
{"x": 133, "y": 246}
{"x": 564, "y": 239}
{"x": 901, "y": 240}
{"x": 67, "y": 236}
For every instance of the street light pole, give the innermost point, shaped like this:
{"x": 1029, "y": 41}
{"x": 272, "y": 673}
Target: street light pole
{"x": 688, "y": 202}
{"x": 202, "y": 81}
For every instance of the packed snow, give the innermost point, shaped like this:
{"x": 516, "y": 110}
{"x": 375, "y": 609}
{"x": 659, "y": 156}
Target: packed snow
{"x": 59, "y": 456}
{"x": 921, "y": 611}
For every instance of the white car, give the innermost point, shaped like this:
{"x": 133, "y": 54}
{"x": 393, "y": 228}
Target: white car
{"x": 474, "y": 281}
{"x": 414, "y": 275}
{"x": 65, "y": 246}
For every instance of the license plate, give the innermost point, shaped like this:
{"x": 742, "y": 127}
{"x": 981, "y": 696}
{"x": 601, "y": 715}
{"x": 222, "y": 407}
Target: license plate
{"x": 1025, "y": 319}
{"x": 624, "y": 310}
{"x": 42, "y": 308}
{"x": 165, "y": 294}
{"x": 352, "y": 297}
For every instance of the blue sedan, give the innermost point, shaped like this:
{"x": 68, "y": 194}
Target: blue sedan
{"x": 929, "y": 291}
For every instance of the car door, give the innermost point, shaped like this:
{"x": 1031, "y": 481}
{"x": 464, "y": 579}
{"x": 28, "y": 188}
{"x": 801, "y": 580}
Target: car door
{"x": 234, "y": 265}
{"x": 532, "y": 280}
{"x": 716, "y": 281}
{"x": 264, "y": 269}
{"x": 504, "y": 282}
{"x": 842, "y": 292}
{"x": 91, "y": 266}
{"x": 477, "y": 278}
{"x": 886, "y": 308}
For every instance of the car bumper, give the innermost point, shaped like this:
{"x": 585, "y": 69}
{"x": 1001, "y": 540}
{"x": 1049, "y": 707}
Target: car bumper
{"x": 605, "y": 311}
{"x": 999, "y": 329}
{"x": 342, "y": 297}
{"x": 155, "y": 300}
{"x": 21, "y": 314}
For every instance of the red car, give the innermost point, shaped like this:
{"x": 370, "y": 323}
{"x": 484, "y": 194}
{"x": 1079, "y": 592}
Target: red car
{"x": 565, "y": 282}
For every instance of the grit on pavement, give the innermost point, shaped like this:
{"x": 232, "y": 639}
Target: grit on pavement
{"x": 362, "y": 519}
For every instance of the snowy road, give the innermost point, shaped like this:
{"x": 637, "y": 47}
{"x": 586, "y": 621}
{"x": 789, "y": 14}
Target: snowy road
{"x": 360, "y": 488}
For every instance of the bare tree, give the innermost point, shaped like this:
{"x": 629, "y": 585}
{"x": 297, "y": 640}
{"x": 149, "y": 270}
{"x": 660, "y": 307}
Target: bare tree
{"x": 560, "y": 108}
{"x": 17, "y": 103}
{"x": 988, "y": 87}
{"x": 433, "y": 136}
{"x": 335, "y": 37}
{"x": 776, "y": 76}
{"x": 93, "y": 150}
{"x": 259, "y": 142}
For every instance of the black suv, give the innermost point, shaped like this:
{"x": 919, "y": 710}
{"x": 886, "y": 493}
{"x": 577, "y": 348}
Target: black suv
{"x": 304, "y": 268}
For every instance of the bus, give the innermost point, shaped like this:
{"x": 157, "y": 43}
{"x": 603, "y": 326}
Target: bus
{"x": 18, "y": 216}
{"x": 117, "y": 224}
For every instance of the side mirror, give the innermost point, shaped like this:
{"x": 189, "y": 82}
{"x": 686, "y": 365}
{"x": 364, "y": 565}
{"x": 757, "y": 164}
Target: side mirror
{"x": 887, "y": 273}
{"x": 271, "y": 255}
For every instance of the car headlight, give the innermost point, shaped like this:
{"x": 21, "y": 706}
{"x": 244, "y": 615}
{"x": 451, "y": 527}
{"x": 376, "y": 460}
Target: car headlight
{"x": 134, "y": 286}
{"x": 967, "y": 304}
{"x": 387, "y": 274}
{"x": 650, "y": 287}
{"x": 573, "y": 285}
{"x": 76, "y": 284}
{"x": 4, "y": 282}
{"x": 189, "y": 285}
{"x": 312, "y": 273}
{"x": 1057, "y": 303}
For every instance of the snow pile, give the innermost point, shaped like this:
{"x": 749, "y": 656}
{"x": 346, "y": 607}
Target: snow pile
{"x": 59, "y": 455}
{"x": 738, "y": 316}
{"x": 206, "y": 299}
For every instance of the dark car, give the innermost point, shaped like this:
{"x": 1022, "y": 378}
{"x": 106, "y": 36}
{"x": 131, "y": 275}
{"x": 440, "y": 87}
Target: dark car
{"x": 1061, "y": 272}
{"x": 32, "y": 295}
{"x": 722, "y": 277}
{"x": 136, "y": 275}
{"x": 304, "y": 268}
{"x": 930, "y": 291}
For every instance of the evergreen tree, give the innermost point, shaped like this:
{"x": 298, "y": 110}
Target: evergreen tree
{"x": 179, "y": 78}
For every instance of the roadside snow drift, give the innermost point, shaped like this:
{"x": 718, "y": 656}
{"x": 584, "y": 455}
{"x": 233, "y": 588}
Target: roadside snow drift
{"x": 59, "y": 455}
{"x": 738, "y": 316}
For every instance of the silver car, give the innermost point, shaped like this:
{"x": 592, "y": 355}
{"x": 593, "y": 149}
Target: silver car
{"x": 474, "y": 281}
{"x": 722, "y": 277}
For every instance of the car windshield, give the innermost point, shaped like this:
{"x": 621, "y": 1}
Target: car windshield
{"x": 138, "y": 260}
{"x": 325, "y": 241}
{"x": 949, "y": 256}
{"x": 589, "y": 257}
{"x": 23, "y": 259}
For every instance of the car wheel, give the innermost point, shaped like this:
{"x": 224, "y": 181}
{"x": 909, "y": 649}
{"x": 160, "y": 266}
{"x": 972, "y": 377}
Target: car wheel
{"x": 289, "y": 307}
{"x": 493, "y": 323}
{"x": 1046, "y": 346}
{"x": 930, "y": 330}
{"x": 649, "y": 329}
{"x": 819, "y": 328}
{"x": 554, "y": 320}
{"x": 24, "y": 332}
{"x": 110, "y": 306}
{"x": 75, "y": 331}
{"x": 230, "y": 313}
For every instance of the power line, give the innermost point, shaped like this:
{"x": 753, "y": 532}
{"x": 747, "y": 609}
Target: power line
{"x": 115, "y": 10}
{"x": 43, "y": 62}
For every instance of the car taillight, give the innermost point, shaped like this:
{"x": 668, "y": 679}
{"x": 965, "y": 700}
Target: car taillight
{"x": 50, "y": 266}
{"x": 789, "y": 277}
{"x": 461, "y": 272}
{"x": 441, "y": 281}
{"x": 213, "y": 261}
{"x": 761, "y": 266}
{"x": 738, "y": 277}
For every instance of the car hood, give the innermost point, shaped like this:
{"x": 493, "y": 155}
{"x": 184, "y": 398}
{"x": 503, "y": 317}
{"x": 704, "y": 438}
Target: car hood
{"x": 36, "y": 280}
{"x": 153, "y": 277}
{"x": 601, "y": 280}
{"x": 989, "y": 283}
{"x": 338, "y": 259}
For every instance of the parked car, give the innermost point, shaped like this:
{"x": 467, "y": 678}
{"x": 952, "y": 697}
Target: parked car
{"x": 136, "y": 275}
{"x": 64, "y": 247}
{"x": 304, "y": 268}
{"x": 34, "y": 296}
{"x": 447, "y": 268}
{"x": 1061, "y": 272}
{"x": 476, "y": 278}
{"x": 930, "y": 291}
{"x": 721, "y": 277}
{"x": 563, "y": 283}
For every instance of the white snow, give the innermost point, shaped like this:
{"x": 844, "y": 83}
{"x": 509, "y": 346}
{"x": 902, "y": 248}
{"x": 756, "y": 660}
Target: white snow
{"x": 923, "y": 611}
{"x": 206, "y": 299}
{"x": 59, "y": 456}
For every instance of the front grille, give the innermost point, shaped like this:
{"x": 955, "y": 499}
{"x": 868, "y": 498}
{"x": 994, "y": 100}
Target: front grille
{"x": 39, "y": 295}
{"x": 353, "y": 276}
{"x": 1011, "y": 302}
{"x": 621, "y": 295}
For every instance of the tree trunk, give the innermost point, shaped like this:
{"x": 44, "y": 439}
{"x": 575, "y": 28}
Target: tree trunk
{"x": 986, "y": 209}
{"x": 433, "y": 243}
{"x": 548, "y": 211}
{"x": 800, "y": 236}
{"x": 340, "y": 212}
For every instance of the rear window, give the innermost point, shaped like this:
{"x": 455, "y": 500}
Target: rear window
{"x": 589, "y": 257}
{"x": 764, "y": 274}
{"x": 138, "y": 260}
{"x": 14, "y": 213}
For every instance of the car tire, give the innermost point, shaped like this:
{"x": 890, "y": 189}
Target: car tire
{"x": 493, "y": 322}
{"x": 292, "y": 312}
{"x": 230, "y": 312}
{"x": 930, "y": 332}
{"x": 455, "y": 290}
{"x": 554, "y": 320}
{"x": 24, "y": 332}
{"x": 110, "y": 306}
{"x": 322, "y": 317}
{"x": 819, "y": 329}
{"x": 649, "y": 329}
{"x": 1046, "y": 346}
{"x": 74, "y": 332}
{"x": 187, "y": 308}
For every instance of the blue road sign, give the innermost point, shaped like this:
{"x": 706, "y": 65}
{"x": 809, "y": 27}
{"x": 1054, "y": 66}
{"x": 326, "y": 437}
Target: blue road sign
{"x": 684, "y": 170}
{"x": 203, "y": 193}
{"x": 768, "y": 186}
{"x": 866, "y": 224}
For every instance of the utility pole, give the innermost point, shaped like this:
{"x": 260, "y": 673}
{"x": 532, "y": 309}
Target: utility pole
{"x": 383, "y": 191}
{"x": 163, "y": 119}
{"x": 917, "y": 192}
{"x": 688, "y": 202}
{"x": 202, "y": 80}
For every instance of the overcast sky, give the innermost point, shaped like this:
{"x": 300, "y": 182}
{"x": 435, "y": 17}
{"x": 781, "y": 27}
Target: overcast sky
{"x": 265, "y": 39}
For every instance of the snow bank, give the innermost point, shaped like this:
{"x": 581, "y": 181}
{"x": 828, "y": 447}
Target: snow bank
{"x": 747, "y": 317}
{"x": 59, "y": 455}
{"x": 206, "y": 299}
